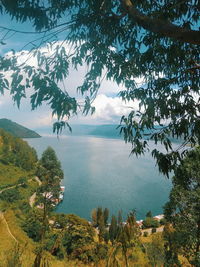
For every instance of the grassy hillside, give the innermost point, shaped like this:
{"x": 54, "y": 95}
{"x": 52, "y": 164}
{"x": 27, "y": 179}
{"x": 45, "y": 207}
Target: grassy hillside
{"x": 11, "y": 175}
{"x": 9, "y": 246}
{"x": 17, "y": 130}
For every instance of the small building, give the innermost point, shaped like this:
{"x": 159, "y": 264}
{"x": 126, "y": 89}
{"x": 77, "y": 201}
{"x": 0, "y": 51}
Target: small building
{"x": 139, "y": 223}
{"x": 61, "y": 195}
{"x": 159, "y": 217}
{"x": 62, "y": 188}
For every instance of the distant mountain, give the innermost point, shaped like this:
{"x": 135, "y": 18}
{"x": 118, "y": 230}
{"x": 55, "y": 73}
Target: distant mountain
{"x": 105, "y": 131}
{"x": 108, "y": 131}
{"x": 17, "y": 130}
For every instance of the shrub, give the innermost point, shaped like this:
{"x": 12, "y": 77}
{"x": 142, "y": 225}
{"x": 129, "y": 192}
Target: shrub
{"x": 163, "y": 221}
{"x": 150, "y": 222}
{"x": 10, "y": 195}
{"x": 153, "y": 230}
{"x": 145, "y": 234}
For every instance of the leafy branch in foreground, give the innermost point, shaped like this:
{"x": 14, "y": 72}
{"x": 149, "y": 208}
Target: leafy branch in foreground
{"x": 158, "y": 43}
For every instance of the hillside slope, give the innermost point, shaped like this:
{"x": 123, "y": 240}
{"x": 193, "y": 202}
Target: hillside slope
{"x": 17, "y": 130}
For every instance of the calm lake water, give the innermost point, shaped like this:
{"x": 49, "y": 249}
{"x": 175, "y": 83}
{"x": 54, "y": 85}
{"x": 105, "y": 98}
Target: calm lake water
{"x": 100, "y": 172}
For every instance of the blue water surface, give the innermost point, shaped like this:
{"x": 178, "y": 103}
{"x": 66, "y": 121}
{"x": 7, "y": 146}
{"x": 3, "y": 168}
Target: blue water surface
{"x": 101, "y": 172}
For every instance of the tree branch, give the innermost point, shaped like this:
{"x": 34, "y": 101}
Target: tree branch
{"x": 162, "y": 27}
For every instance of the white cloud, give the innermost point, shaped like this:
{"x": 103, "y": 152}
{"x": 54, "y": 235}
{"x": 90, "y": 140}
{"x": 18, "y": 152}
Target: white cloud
{"x": 109, "y": 107}
{"x": 108, "y": 110}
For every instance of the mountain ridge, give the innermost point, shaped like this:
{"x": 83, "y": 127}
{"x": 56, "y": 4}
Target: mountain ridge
{"x": 17, "y": 130}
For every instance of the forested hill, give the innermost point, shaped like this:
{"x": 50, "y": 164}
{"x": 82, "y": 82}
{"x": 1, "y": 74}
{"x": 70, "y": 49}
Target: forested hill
{"x": 16, "y": 151}
{"x": 17, "y": 130}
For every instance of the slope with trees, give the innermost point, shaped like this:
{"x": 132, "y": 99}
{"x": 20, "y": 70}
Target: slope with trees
{"x": 17, "y": 130}
{"x": 182, "y": 211}
{"x": 15, "y": 151}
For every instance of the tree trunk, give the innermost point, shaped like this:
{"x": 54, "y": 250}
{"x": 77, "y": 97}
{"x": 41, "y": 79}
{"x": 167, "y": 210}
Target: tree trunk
{"x": 162, "y": 27}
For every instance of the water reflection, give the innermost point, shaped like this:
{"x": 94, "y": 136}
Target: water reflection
{"x": 99, "y": 172}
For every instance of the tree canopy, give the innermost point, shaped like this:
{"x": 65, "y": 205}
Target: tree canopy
{"x": 182, "y": 209}
{"x": 156, "y": 41}
{"x": 50, "y": 173}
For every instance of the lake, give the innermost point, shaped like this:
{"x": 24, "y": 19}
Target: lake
{"x": 101, "y": 172}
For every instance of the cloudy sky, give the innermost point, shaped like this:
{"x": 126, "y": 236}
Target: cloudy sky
{"x": 109, "y": 107}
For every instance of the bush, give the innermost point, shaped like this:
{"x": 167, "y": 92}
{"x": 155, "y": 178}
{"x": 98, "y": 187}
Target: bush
{"x": 145, "y": 234}
{"x": 153, "y": 230}
{"x": 102, "y": 251}
{"x": 22, "y": 182}
{"x": 150, "y": 222}
{"x": 24, "y": 206}
{"x": 163, "y": 221}
{"x": 32, "y": 226}
{"x": 10, "y": 195}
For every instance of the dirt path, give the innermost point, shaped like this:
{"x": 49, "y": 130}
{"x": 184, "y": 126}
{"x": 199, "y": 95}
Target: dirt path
{"x": 38, "y": 180}
{"x": 13, "y": 186}
{"x": 32, "y": 198}
{"x": 149, "y": 230}
{"x": 10, "y": 187}
{"x": 3, "y": 219}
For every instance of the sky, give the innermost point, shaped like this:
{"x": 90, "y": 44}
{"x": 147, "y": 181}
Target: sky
{"x": 109, "y": 107}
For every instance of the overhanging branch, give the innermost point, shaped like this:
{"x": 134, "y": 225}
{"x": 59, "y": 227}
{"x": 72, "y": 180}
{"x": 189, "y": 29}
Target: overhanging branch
{"x": 162, "y": 27}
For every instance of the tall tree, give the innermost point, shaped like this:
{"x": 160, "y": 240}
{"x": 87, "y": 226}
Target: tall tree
{"x": 106, "y": 216}
{"x": 101, "y": 228}
{"x": 149, "y": 214}
{"x": 113, "y": 229}
{"x": 50, "y": 173}
{"x": 119, "y": 217}
{"x": 99, "y": 215}
{"x": 94, "y": 217}
{"x": 182, "y": 210}
{"x": 127, "y": 235}
{"x": 156, "y": 42}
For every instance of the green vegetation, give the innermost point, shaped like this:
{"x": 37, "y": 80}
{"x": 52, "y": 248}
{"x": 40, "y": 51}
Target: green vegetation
{"x": 156, "y": 43}
{"x": 68, "y": 240}
{"x": 182, "y": 211}
{"x": 17, "y": 130}
{"x": 11, "y": 175}
{"x": 15, "y": 151}
{"x": 77, "y": 239}
{"x": 155, "y": 251}
{"x": 149, "y": 221}
{"x": 17, "y": 163}
{"x": 50, "y": 174}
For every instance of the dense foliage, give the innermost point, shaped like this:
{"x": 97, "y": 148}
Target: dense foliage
{"x": 149, "y": 221}
{"x": 157, "y": 43}
{"x": 32, "y": 224}
{"x": 50, "y": 174}
{"x": 16, "y": 151}
{"x": 11, "y": 195}
{"x": 182, "y": 210}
